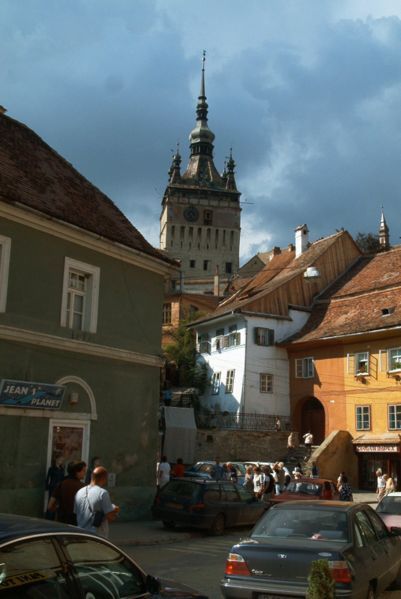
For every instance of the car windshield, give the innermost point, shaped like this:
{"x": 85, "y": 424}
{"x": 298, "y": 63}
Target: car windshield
{"x": 306, "y": 488}
{"x": 181, "y": 488}
{"x": 310, "y": 523}
{"x": 390, "y": 505}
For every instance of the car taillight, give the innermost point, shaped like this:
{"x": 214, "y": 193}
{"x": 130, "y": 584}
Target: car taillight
{"x": 236, "y": 565}
{"x": 340, "y": 571}
{"x": 196, "y": 507}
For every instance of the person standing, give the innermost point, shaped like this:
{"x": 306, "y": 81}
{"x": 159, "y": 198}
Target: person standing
{"x": 277, "y": 424}
{"x": 232, "y": 473}
{"x": 93, "y": 507}
{"x": 55, "y": 475}
{"x": 308, "y": 440}
{"x": 259, "y": 480}
{"x": 390, "y": 485}
{"x": 218, "y": 470}
{"x": 248, "y": 479}
{"x": 178, "y": 469}
{"x": 163, "y": 472}
{"x": 380, "y": 485}
{"x": 62, "y": 499}
{"x": 345, "y": 489}
{"x": 96, "y": 461}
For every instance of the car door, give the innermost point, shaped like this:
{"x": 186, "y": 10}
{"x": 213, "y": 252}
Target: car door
{"x": 231, "y": 504}
{"x": 390, "y": 545}
{"x": 32, "y": 569}
{"x": 101, "y": 571}
{"x": 372, "y": 557}
{"x": 251, "y": 509}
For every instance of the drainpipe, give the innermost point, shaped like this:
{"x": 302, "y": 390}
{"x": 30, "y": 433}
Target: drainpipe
{"x": 243, "y": 398}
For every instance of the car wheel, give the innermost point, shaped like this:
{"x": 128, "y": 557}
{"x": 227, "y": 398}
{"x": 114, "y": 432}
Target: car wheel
{"x": 169, "y": 524}
{"x": 371, "y": 592}
{"x": 218, "y": 525}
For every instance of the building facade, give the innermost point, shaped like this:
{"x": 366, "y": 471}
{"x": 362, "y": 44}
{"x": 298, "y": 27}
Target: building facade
{"x": 346, "y": 365}
{"x": 200, "y": 218}
{"x": 81, "y": 295}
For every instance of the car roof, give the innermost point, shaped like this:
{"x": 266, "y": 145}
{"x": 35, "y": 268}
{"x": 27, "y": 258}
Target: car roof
{"x": 13, "y": 526}
{"x": 393, "y": 494}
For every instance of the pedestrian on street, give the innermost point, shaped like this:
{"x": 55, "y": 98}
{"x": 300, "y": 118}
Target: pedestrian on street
{"x": 218, "y": 470}
{"x": 380, "y": 485}
{"x": 292, "y": 441}
{"x": 93, "y": 507}
{"x": 55, "y": 475}
{"x": 232, "y": 472}
{"x": 277, "y": 424}
{"x": 308, "y": 440}
{"x": 259, "y": 480}
{"x": 95, "y": 461}
{"x": 178, "y": 469}
{"x": 345, "y": 489}
{"x": 163, "y": 470}
{"x": 62, "y": 500}
{"x": 248, "y": 479}
{"x": 390, "y": 485}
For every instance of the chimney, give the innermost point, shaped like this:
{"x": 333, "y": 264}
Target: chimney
{"x": 216, "y": 282}
{"x": 301, "y": 240}
{"x": 2, "y": 110}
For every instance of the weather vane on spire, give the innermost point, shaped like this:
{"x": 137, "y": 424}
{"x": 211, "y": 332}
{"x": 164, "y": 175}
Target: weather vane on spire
{"x": 203, "y": 59}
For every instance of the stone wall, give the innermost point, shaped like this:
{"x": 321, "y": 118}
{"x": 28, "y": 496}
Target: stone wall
{"x": 269, "y": 446}
{"x": 336, "y": 454}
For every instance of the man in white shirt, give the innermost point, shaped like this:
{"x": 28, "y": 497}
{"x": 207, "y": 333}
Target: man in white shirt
{"x": 163, "y": 472}
{"x": 94, "y": 499}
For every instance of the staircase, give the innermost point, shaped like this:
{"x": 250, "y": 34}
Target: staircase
{"x": 295, "y": 456}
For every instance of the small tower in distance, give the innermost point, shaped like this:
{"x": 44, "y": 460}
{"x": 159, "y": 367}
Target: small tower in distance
{"x": 200, "y": 217}
{"x": 384, "y": 235}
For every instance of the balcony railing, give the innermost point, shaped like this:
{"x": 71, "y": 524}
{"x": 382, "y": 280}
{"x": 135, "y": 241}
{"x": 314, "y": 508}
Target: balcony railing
{"x": 244, "y": 422}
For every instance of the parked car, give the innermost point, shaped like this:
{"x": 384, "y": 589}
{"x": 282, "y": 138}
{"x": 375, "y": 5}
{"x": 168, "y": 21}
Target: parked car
{"x": 389, "y": 510}
{"x": 45, "y": 559}
{"x": 207, "y": 470}
{"x": 364, "y": 557}
{"x": 208, "y": 504}
{"x": 307, "y": 488}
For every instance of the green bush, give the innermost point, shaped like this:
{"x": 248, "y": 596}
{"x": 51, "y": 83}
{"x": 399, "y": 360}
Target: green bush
{"x": 321, "y": 583}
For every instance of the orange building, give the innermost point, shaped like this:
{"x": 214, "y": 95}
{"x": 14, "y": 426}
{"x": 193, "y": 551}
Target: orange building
{"x": 346, "y": 364}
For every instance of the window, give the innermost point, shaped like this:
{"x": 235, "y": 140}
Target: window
{"x": 207, "y": 217}
{"x": 206, "y": 264}
{"x": 167, "y": 313}
{"x": 79, "y": 306}
{"x": 265, "y": 383}
{"x": 102, "y": 571}
{"x": 362, "y": 416}
{"x": 229, "y": 268}
{"x": 5, "y": 247}
{"x": 362, "y": 363}
{"x": 230, "y": 381}
{"x": 394, "y": 417}
{"x": 204, "y": 343}
{"x": 304, "y": 368}
{"x": 192, "y": 263}
{"x": 32, "y": 569}
{"x": 394, "y": 358}
{"x": 264, "y": 336}
{"x": 216, "y": 379}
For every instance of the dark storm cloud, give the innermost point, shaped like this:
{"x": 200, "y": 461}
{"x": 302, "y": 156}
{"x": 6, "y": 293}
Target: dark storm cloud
{"x": 309, "y": 101}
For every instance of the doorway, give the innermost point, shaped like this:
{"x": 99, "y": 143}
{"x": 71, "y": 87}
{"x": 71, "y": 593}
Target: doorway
{"x": 313, "y": 420}
{"x": 68, "y": 440}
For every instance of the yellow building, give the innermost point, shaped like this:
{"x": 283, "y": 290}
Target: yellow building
{"x": 346, "y": 364}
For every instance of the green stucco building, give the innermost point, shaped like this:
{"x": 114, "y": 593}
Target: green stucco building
{"x": 81, "y": 295}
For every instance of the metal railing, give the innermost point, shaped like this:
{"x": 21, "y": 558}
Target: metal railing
{"x": 244, "y": 422}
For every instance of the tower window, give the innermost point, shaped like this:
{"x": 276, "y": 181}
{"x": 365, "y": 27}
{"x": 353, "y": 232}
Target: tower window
{"x": 206, "y": 264}
{"x": 229, "y": 268}
{"x": 192, "y": 263}
{"x": 207, "y": 217}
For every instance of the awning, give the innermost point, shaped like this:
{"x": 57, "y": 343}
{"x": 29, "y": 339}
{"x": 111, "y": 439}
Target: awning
{"x": 385, "y": 443}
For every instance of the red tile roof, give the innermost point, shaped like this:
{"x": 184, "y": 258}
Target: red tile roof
{"x": 366, "y": 298}
{"x": 33, "y": 174}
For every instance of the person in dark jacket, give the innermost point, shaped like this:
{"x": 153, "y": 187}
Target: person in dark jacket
{"x": 62, "y": 499}
{"x": 55, "y": 475}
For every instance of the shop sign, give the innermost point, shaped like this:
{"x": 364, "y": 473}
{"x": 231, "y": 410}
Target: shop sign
{"x": 24, "y": 394}
{"x": 377, "y": 448}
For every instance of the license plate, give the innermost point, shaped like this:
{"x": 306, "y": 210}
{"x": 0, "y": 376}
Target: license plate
{"x": 175, "y": 506}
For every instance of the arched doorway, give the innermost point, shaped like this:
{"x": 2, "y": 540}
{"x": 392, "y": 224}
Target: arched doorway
{"x": 313, "y": 420}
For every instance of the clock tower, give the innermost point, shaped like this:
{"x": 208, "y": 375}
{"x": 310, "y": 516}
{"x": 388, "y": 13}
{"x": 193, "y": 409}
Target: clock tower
{"x": 200, "y": 218}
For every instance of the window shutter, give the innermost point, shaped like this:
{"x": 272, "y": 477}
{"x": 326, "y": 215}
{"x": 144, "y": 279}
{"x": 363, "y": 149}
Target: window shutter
{"x": 298, "y": 368}
{"x": 383, "y": 360}
{"x": 225, "y": 340}
{"x": 256, "y": 335}
{"x": 237, "y": 338}
{"x": 350, "y": 363}
{"x": 270, "y": 336}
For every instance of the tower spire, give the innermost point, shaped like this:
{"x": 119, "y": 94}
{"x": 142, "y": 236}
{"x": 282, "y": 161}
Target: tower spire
{"x": 201, "y": 137}
{"x": 384, "y": 235}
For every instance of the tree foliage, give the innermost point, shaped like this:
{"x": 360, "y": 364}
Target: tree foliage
{"x": 368, "y": 243}
{"x": 321, "y": 583}
{"x": 182, "y": 352}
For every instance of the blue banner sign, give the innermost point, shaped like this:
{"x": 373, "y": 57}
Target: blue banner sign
{"x": 23, "y": 394}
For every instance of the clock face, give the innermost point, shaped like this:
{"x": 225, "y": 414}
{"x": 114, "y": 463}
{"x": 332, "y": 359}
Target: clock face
{"x": 191, "y": 214}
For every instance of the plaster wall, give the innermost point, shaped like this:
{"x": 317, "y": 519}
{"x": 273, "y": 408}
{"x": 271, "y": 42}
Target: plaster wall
{"x": 241, "y": 445}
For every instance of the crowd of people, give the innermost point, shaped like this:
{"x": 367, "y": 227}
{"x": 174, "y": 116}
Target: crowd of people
{"x": 80, "y": 497}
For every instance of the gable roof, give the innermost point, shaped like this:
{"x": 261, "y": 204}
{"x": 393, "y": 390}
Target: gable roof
{"x": 279, "y": 271}
{"x": 34, "y": 175}
{"x": 366, "y": 298}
